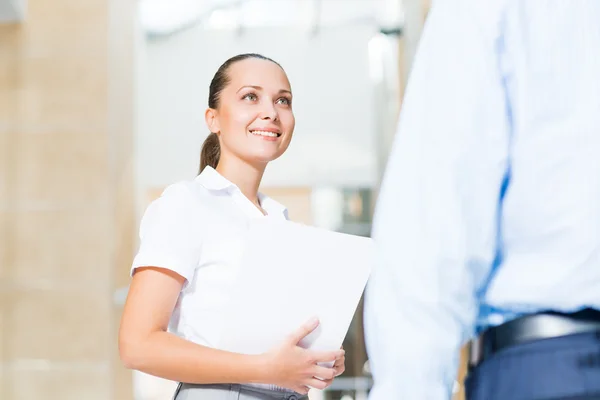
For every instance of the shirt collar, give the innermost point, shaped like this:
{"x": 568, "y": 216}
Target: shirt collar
{"x": 271, "y": 206}
{"x": 212, "y": 180}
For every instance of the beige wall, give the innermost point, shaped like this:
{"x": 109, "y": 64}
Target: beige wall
{"x": 66, "y": 206}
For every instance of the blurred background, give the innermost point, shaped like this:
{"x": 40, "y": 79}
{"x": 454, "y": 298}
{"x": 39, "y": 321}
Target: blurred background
{"x": 101, "y": 107}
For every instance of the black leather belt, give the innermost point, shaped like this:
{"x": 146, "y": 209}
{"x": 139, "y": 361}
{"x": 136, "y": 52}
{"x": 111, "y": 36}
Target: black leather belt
{"x": 529, "y": 328}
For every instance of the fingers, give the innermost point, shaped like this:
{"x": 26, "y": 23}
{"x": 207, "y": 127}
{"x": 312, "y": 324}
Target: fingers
{"x": 304, "y": 330}
{"x": 328, "y": 382}
{"x": 339, "y": 366}
{"x": 327, "y": 356}
{"x": 324, "y": 373}
{"x": 339, "y": 369}
{"x": 319, "y": 384}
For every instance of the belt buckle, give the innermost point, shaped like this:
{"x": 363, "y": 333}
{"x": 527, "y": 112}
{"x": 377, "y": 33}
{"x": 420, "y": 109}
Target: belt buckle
{"x": 475, "y": 352}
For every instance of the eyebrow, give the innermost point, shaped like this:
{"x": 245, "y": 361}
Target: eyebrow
{"x": 260, "y": 88}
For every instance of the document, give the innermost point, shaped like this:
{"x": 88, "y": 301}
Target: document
{"x": 289, "y": 273}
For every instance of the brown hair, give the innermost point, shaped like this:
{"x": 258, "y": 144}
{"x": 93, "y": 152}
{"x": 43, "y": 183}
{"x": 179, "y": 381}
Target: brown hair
{"x": 211, "y": 148}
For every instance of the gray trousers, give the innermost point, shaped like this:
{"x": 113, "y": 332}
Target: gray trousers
{"x": 186, "y": 391}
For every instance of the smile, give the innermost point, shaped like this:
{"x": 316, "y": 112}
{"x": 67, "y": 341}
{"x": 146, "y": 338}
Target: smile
{"x": 266, "y": 133}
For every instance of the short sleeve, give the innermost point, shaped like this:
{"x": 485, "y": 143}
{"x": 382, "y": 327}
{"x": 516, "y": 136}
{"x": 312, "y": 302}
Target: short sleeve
{"x": 169, "y": 233}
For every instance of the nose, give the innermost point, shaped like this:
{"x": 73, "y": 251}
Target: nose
{"x": 269, "y": 112}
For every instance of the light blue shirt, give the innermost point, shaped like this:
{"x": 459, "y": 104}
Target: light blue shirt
{"x": 490, "y": 205}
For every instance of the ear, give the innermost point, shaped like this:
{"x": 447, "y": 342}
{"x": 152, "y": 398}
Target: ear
{"x": 212, "y": 121}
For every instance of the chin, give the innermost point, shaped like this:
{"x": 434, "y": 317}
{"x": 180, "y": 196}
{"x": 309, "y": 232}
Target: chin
{"x": 267, "y": 155}
{"x": 264, "y": 158}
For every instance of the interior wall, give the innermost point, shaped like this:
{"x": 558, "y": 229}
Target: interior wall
{"x": 66, "y": 193}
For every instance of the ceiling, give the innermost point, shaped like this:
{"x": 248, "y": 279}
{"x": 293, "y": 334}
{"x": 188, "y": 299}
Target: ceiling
{"x": 12, "y": 10}
{"x": 162, "y": 17}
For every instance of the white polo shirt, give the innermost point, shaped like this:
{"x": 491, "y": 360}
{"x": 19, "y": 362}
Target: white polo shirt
{"x": 196, "y": 228}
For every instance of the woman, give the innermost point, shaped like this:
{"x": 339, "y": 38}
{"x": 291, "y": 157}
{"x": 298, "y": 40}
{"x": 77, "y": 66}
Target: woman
{"x": 191, "y": 240}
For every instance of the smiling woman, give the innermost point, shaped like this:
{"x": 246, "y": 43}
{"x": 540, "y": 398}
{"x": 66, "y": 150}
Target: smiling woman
{"x": 240, "y": 107}
{"x": 191, "y": 243}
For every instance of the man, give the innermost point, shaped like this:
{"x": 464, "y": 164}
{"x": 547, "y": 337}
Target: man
{"x": 488, "y": 221}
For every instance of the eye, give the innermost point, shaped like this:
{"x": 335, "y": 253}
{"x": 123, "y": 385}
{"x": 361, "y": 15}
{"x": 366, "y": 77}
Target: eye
{"x": 250, "y": 96}
{"x": 284, "y": 100}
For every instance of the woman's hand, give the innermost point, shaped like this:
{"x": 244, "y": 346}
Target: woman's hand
{"x": 340, "y": 364}
{"x": 295, "y": 368}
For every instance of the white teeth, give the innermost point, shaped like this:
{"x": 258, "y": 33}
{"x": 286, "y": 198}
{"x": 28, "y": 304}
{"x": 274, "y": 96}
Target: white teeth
{"x": 264, "y": 133}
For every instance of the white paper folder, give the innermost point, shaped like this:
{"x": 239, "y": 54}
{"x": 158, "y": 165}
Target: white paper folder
{"x": 290, "y": 273}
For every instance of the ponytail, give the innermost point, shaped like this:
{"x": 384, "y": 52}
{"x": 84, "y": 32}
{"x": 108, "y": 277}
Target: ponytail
{"x": 210, "y": 153}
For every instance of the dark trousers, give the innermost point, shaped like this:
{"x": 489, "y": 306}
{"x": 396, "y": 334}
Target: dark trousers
{"x": 564, "y": 368}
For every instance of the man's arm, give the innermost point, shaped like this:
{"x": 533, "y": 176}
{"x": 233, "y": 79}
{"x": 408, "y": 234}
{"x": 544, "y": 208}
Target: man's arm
{"x": 436, "y": 221}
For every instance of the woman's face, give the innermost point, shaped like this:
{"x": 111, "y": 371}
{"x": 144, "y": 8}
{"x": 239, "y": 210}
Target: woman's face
{"x": 254, "y": 118}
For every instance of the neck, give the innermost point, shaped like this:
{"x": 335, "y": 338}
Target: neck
{"x": 245, "y": 176}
